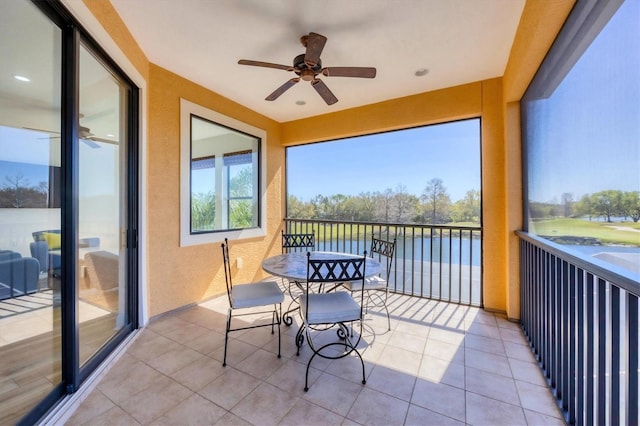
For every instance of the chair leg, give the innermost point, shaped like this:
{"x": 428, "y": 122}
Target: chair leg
{"x": 279, "y": 336}
{"x": 226, "y": 338}
{"x": 299, "y": 339}
{"x": 386, "y": 297}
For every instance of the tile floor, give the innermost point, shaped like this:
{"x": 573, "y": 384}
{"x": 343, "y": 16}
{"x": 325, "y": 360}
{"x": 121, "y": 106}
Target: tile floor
{"x": 440, "y": 364}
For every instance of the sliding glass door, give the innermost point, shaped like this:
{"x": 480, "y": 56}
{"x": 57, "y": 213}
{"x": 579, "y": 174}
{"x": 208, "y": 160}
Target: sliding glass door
{"x": 68, "y": 209}
{"x": 102, "y": 212}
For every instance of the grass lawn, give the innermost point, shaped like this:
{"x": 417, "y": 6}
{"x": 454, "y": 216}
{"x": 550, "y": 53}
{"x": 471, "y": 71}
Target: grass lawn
{"x": 626, "y": 233}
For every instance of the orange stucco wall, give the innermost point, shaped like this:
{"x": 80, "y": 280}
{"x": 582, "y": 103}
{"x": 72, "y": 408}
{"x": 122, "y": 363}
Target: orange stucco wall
{"x": 181, "y": 275}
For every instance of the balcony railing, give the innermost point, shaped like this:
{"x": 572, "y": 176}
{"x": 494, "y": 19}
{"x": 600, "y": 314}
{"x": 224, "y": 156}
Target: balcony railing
{"x": 432, "y": 261}
{"x": 581, "y": 320}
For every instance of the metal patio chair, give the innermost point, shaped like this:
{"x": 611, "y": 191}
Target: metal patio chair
{"x": 376, "y": 287}
{"x": 291, "y": 243}
{"x": 247, "y": 296}
{"x": 322, "y": 312}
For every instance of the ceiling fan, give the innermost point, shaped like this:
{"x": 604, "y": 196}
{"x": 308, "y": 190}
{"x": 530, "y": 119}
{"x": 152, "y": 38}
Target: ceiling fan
{"x": 308, "y": 67}
{"x": 84, "y": 134}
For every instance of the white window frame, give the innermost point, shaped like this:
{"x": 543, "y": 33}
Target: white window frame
{"x": 187, "y": 109}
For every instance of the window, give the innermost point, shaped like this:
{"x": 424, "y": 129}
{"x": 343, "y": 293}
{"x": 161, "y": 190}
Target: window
{"x": 427, "y": 175}
{"x": 581, "y": 133}
{"x": 221, "y": 177}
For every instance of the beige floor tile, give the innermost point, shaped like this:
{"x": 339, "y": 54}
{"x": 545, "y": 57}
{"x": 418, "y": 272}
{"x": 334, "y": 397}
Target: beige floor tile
{"x": 477, "y": 315}
{"x": 447, "y": 335}
{"x": 442, "y": 364}
{"x": 440, "y": 398}
{"x": 350, "y": 368}
{"x": 231, "y": 419}
{"x": 491, "y": 385}
{"x": 527, "y": 372}
{"x": 410, "y": 342}
{"x": 445, "y": 351}
{"x": 195, "y": 410}
{"x": 484, "y": 344}
{"x": 376, "y": 408}
{"x": 260, "y": 364}
{"x": 291, "y": 375}
{"x": 487, "y": 411}
{"x": 538, "y": 399}
{"x": 265, "y": 405}
{"x": 199, "y": 373}
{"x": 186, "y": 334}
{"x": 391, "y": 382}
{"x": 439, "y": 371}
{"x": 93, "y": 406}
{"x": 418, "y": 416}
{"x": 484, "y": 330}
{"x": 400, "y": 360}
{"x": 515, "y": 336}
{"x": 259, "y": 336}
{"x": 175, "y": 359}
{"x": 485, "y": 361}
{"x": 166, "y": 323}
{"x": 333, "y": 393}
{"x": 450, "y": 322}
{"x": 228, "y": 389}
{"x": 113, "y": 416}
{"x": 305, "y": 413}
{"x": 154, "y": 401}
{"x": 150, "y": 345}
{"x": 503, "y": 322}
{"x": 237, "y": 351}
{"x": 535, "y": 418}
{"x": 518, "y": 351}
{"x": 207, "y": 342}
{"x": 123, "y": 382}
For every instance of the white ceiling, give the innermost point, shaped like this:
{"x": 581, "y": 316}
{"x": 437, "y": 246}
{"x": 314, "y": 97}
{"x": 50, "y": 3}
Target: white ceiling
{"x": 458, "y": 41}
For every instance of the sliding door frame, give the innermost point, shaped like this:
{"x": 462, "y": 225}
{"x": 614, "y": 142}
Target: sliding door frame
{"x": 72, "y": 374}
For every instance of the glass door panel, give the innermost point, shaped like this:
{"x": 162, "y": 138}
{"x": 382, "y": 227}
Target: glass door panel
{"x": 102, "y": 217}
{"x": 30, "y": 166}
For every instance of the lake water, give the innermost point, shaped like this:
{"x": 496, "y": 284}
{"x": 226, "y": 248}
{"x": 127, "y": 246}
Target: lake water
{"x": 453, "y": 250}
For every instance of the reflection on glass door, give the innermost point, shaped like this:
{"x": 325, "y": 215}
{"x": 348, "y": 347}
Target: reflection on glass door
{"x": 101, "y": 263}
{"x": 30, "y": 231}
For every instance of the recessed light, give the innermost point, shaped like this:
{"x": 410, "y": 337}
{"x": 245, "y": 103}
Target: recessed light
{"x": 420, "y": 72}
{"x": 110, "y": 135}
{"x": 301, "y": 103}
{"x": 21, "y": 78}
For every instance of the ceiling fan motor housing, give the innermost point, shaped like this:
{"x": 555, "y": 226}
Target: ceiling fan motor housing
{"x": 306, "y": 72}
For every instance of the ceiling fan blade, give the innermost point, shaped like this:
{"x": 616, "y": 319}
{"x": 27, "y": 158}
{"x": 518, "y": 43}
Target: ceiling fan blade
{"x": 109, "y": 141}
{"x": 265, "y": 64}
{"x": 42, "y": 130}
{"x": 315, "y": 44}
{"x": 90, "y": 143}
{"x": 324, "y": 92}
{"x": 280, "y": 90}
{"x": 363, "y": 72}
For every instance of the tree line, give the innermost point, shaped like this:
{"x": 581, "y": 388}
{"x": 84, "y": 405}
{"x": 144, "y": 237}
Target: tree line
{"x": 432, "y": 206}
{"x": 604, "y": 204}
{"x": 17, "y": 192}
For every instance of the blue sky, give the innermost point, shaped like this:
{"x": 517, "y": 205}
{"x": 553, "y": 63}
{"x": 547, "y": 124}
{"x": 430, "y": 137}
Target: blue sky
{"x": 588, "y": 138}
{"x": 411, "y": 158}
{"x": 586, "y": 145}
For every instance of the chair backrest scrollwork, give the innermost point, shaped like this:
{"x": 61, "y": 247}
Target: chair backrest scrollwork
{"x": 291, "y": 242}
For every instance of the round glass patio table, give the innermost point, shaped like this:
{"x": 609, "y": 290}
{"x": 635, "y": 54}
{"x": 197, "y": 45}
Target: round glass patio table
{"x": 293, "y": 266}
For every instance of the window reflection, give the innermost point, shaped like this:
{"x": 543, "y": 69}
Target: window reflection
{"x": 224, "y": 178}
